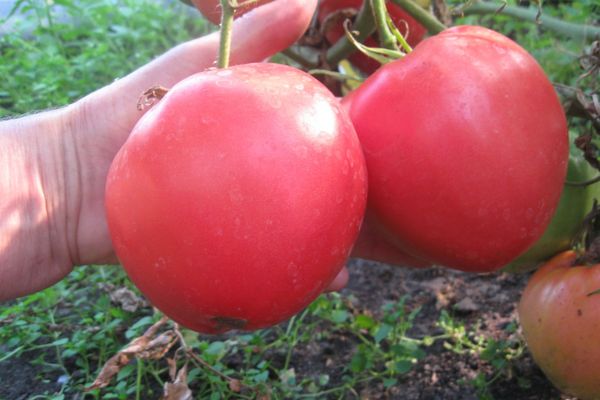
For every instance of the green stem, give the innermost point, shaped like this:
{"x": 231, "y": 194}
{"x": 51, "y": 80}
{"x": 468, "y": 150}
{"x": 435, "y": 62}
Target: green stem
{"x": 12, "y": 353}
{"x": 363, "y": 24}
{"x": 299, "y": 58}
{"x": 584, "y": 183}
{"x": 575, "y": 31}
{"x": 336, "y": 75}
{"x": 425, "y": 18}
{"x": 138, "y": 380}
{"x": 386, "y": 37}
{"x": 226, "y": 33}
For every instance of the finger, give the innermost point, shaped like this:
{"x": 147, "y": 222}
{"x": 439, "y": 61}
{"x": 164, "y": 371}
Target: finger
{"x": 340, "y": 281}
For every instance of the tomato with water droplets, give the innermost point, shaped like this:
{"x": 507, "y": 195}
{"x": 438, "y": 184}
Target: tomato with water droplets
{"x": 237, "y": 198}
{"x": 466, "y": 146}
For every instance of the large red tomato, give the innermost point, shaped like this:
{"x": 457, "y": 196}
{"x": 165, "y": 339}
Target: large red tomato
{"x": 211, "y": 9}
{"x": 237, "y": 198}
{"x": 408, "y": 26}
{"x": 466, "y": 146}
{"x": 560, "y": 316}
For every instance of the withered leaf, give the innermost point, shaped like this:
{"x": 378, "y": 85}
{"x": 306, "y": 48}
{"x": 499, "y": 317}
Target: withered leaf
{"x": 178, "y": 389}
{"x": 147, "y": 346}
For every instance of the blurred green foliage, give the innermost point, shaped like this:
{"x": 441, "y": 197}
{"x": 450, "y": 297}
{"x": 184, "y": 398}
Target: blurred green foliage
{"x": 54, "y": 52}
{"x": 558, "y": 55}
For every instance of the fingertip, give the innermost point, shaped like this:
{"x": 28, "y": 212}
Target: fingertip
{"x": 340, "y": 281}
{"x": 270, "y": 28}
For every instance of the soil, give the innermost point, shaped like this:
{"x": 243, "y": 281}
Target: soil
{"x": 486, "y": 302}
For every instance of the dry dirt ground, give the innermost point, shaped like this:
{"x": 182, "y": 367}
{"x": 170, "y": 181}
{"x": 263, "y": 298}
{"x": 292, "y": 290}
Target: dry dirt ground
{"x": 485, "y": 302}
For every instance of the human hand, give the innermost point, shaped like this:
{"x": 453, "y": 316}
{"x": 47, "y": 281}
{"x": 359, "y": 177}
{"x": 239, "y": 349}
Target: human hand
{"x": 53, "y": 196}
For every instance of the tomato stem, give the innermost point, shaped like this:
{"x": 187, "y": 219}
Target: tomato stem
{"x": 300, "y": 58}
{"x": 227, "y": 11}
{"x": 381, "y": 55}
{"x": 337, "y": 75}
{"x": 363, "y": 24}
{"x": 387, "y": 39}
{"x": 399, "y": 36}
{"x": 425, "y": 18}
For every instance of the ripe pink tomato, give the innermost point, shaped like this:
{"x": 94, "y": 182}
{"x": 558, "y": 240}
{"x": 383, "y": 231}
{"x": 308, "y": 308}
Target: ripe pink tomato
{"x": 408, "y": 26}
{"x": 466, "y": 146}
{"x": 559, "y": 312}
{"x": 237, "y": 198}
{"x": 211, "y": 9}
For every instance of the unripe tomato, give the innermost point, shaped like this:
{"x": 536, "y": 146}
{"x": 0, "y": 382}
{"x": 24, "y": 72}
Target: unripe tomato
{"x": 237, "y": 198}
{"x": 466, "y": 146}
{"x": 560, "y": 316}
{"x": 575, "y": 203}
{"x": 211, "y": 9}
{"x": 408, "y": 26}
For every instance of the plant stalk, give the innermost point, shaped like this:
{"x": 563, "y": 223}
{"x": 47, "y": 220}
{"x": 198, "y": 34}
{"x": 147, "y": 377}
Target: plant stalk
{"x": 363, "y": 24}
{"x": 387, "y": 39}
{"x": 422, "y": 16}
{"x": 227, "y": 10}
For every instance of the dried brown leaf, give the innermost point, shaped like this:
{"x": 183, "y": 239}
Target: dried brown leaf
{"x": 178, "y": 389}
{"x": 172, "y": 368}
{"x": 124, "y": 297}
{"x": 235, "y": 385}
{"x": 147, "y": 346}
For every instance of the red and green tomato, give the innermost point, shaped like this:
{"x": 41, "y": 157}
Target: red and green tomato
{"x": 575, "y": 203}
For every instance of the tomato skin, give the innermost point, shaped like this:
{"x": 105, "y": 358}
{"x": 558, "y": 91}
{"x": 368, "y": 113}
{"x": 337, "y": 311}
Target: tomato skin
{"x": 466, "y": 146}
{"x": 211, "y": 9}
{"x": 408, "y": 26}
{"x": 237, "y": 198}
{"x": 561, "y": 320}
{"x": 575, "y": 203}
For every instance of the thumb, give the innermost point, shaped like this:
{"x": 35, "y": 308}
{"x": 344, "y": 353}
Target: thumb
{"x": 257, "y": 35}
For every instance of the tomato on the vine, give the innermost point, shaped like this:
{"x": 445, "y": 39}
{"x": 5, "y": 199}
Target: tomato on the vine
{"x": 466, "y": 146}
{"x": 559, "y": 312}
{"x": 211, "y": 9}
{"x": 407, "y": 25}
{"x": 237, "y": 198}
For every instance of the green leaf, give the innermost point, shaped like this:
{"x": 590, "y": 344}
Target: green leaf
{"x": 60, "y": 342}
{"x": 215, "y": 348}
{"x": 361, "y": 360}
{"x": 364, "y": 322}
{"x": 389, "y": 382}
{"x": 323, "y": 379}
{"x": 288, "y": 377}
{"x": 125, "y": 372}
{"x": 382, "y": 332}
{"x": 339, "y": 316}
{"x": 261, "y": 377}
{"x": 403, "y": 366}
{"x": 406, "y": 349}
